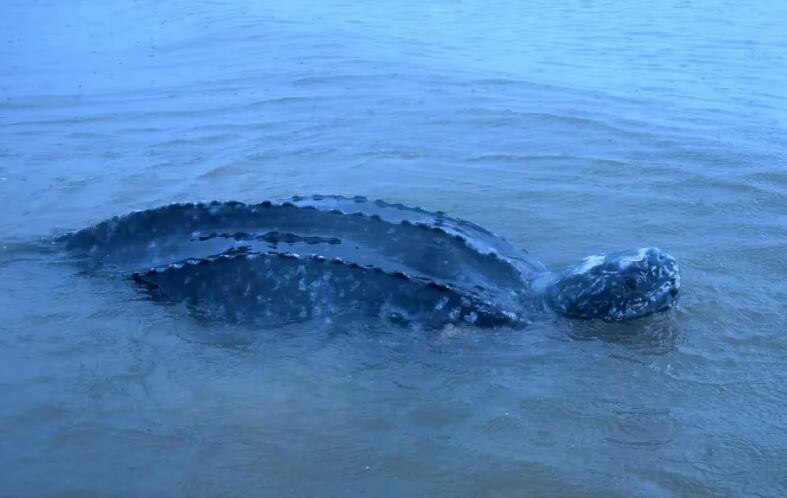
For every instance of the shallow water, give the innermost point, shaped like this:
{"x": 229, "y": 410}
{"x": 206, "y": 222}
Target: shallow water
{"x": 570, "y": 128}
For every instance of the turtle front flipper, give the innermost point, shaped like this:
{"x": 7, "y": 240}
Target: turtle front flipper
{"x": 270, "y": 289}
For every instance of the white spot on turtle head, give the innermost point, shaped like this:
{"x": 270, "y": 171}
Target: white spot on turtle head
{"x": 510, "y": 315}
{"x": 627, "y": 261}
{"x": 675, "y": 274}
{"x": 588, "y": 263}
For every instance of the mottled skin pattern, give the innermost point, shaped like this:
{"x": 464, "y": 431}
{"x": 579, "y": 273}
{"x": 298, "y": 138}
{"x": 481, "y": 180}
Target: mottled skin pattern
{"x": 271, "y": 289}
{"x": 617, "y": 286}
{"x": 319, "y": 256}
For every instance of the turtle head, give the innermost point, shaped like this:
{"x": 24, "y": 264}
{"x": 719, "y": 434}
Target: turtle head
{"x": 617, "y": 286}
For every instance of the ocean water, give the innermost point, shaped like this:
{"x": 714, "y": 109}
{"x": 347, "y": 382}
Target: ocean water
{"x": 570, "y": 128}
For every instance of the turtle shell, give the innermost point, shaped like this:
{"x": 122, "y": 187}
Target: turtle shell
{"x": 424, "y": 246}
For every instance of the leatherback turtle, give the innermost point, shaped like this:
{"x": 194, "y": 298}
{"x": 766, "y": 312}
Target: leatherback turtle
{"x": 320, "y": 256}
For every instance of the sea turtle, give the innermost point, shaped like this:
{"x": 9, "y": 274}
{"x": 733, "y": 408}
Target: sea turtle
{"x": 323, "y": 255}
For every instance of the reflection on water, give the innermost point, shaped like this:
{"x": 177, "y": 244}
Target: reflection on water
{"x": 657, "y": 334}
{"x": 571, "y": 129}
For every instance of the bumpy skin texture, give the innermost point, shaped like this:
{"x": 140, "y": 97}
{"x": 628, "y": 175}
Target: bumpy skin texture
{"x": 391, "y": 251}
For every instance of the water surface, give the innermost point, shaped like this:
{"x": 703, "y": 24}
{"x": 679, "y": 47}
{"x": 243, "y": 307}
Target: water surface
{"x": 570, "y": 128}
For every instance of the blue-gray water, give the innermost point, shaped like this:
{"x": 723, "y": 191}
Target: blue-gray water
{"x": 569, "y": 127}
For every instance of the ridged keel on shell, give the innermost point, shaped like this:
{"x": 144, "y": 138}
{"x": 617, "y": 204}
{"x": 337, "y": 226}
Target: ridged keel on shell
{"x": 392, "y": 237}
